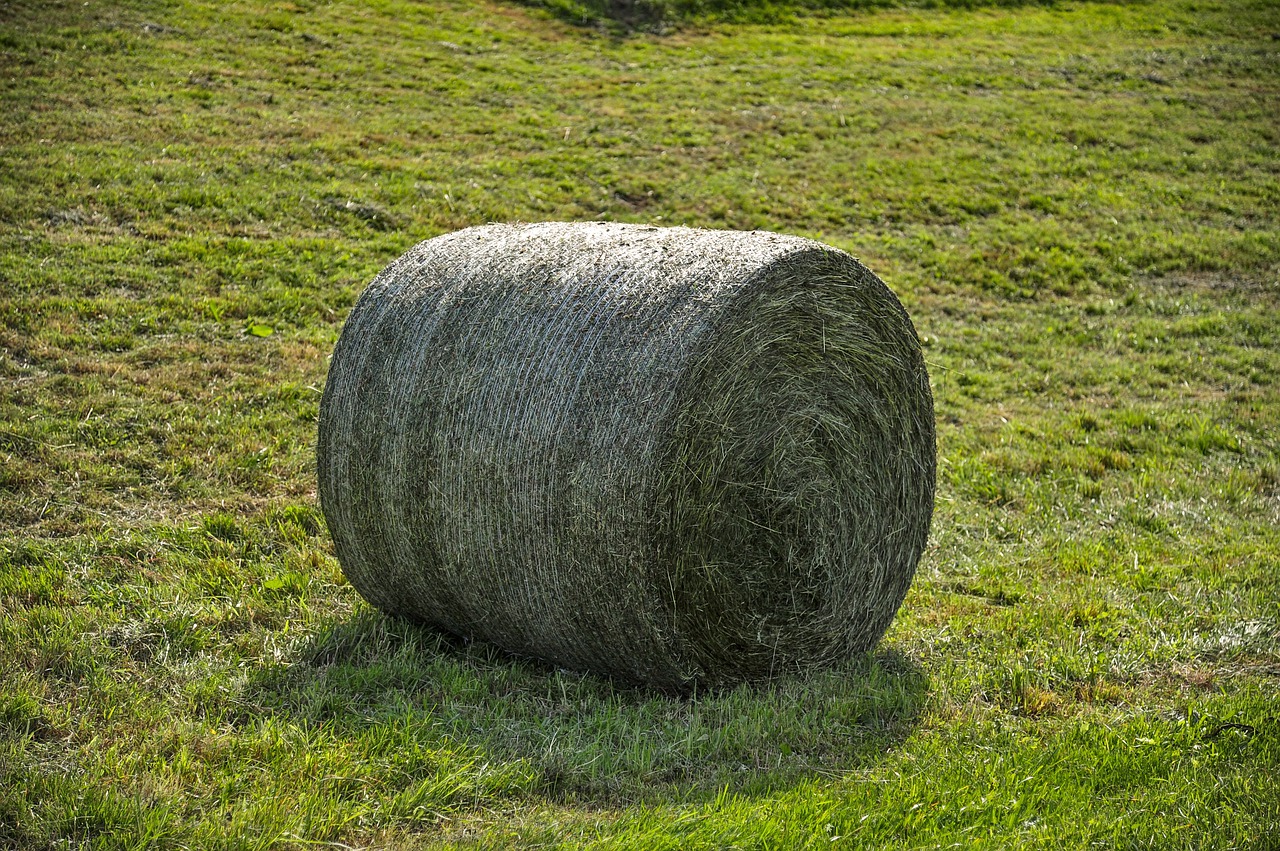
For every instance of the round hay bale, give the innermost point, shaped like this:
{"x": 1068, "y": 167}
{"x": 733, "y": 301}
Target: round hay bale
{"x": 671, "y": 456}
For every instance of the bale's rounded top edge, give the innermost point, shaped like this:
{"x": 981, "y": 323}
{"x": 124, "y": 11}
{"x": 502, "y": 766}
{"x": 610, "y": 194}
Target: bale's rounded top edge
{"x": 785, "y": 243}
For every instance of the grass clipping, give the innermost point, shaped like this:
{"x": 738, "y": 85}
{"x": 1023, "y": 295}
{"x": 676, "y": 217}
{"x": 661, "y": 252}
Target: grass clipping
{"x": 670, "y": 456}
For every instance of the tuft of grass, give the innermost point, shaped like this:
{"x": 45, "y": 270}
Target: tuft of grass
{"x": 1077, "y": 205}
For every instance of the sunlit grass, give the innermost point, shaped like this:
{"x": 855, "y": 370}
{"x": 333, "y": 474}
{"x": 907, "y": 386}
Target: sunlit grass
{"x": 1076, "y": 203}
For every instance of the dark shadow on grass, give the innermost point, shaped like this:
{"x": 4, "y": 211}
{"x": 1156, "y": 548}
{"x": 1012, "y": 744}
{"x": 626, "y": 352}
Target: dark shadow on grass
{"x": 630, "y": 16}
{"x": 580, "y": 738}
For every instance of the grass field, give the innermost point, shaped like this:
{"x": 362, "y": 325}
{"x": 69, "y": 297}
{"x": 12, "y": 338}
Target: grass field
{"x": 1079, "y": 205}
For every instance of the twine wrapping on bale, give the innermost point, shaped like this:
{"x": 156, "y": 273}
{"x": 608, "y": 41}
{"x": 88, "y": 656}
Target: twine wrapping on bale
{"x": 667, "y": 455}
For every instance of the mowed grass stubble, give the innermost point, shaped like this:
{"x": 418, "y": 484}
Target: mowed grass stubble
{"x": 1076, "y": 206}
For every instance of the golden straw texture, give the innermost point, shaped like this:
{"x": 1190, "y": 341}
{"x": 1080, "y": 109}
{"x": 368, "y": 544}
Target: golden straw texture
{"x": 667, "y": 455}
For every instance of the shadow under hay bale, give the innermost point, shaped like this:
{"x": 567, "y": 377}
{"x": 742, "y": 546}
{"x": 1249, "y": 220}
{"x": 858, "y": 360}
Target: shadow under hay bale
{"x": 671, "y": 456}
{"x": 579, "y": 738}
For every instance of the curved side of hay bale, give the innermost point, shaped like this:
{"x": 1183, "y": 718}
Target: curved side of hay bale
{"x": 663, "y": 454}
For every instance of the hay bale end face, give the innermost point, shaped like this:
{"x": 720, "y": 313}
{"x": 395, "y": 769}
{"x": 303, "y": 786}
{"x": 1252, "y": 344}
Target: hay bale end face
{"x": 671, "y": 456}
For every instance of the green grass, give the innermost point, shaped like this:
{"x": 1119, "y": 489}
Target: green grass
{"x": 1078, "y": 204}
